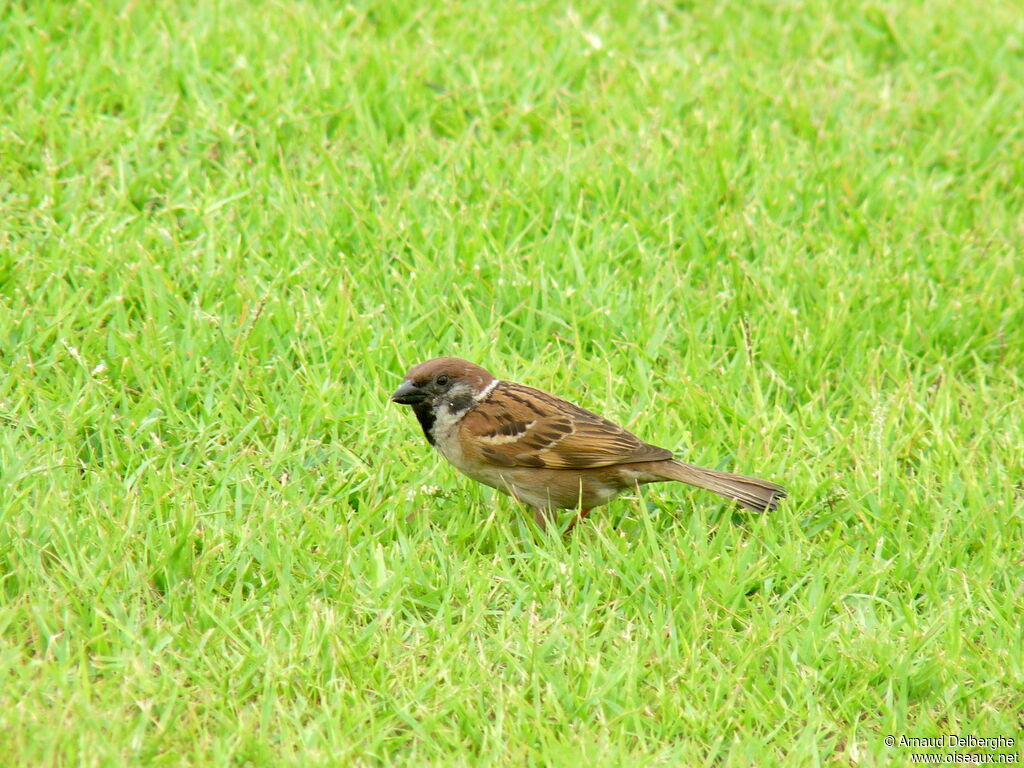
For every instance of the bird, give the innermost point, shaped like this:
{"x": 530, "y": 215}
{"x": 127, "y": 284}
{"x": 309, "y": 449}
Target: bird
{"x": 546, "y": 452}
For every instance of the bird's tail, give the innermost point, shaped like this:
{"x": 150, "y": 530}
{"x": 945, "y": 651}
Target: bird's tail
{"x": 758, "y": 495}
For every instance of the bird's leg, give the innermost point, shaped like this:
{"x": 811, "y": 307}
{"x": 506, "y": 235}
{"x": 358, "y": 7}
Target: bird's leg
{"x": 578, "y": 519}
{"x": 541, "y": 516}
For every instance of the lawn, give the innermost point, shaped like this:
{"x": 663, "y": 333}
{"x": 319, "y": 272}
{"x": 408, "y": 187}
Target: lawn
{"x": 783, "y": 239}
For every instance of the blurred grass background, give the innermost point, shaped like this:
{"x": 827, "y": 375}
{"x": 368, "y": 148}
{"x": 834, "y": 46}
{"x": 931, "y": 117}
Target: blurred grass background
{"x": 781, "y": 238}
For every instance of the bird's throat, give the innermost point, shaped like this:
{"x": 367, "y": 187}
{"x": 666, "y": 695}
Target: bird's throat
{"x": 425, "y": 416}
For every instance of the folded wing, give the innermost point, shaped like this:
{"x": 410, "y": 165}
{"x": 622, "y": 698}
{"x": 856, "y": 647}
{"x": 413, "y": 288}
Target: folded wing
{"x": 519, "y": 426}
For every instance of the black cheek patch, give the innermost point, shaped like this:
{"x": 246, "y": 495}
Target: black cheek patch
{"x": 461, "y": 403}
{"x": 425, "y": 415}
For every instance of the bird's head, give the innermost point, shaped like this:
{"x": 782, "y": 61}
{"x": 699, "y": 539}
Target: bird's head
{"x": 443, "y": 381}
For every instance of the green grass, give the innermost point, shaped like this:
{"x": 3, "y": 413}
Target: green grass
{"x": 781, "y": 238}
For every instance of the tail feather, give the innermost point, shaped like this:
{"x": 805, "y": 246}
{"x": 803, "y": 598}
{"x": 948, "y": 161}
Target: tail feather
{"x": 754, "y": 494}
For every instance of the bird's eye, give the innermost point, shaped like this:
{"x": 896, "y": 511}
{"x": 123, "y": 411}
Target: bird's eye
{"x": 442, "y": 380}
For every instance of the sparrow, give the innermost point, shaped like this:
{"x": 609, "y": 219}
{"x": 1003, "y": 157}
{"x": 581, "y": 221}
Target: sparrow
{"x": 544, "y": 451}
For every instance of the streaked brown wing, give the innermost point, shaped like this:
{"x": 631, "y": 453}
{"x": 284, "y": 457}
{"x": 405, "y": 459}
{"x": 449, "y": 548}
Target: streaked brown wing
{"x": 518, "y": 426}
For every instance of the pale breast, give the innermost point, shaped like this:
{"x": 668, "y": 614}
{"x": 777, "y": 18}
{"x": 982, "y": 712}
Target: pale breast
{"x": 445, "y": 432}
